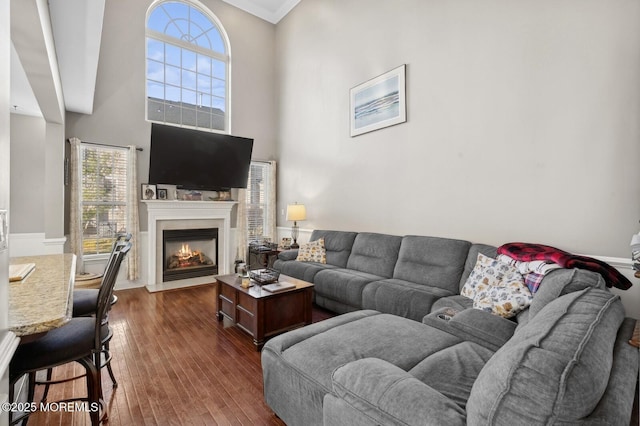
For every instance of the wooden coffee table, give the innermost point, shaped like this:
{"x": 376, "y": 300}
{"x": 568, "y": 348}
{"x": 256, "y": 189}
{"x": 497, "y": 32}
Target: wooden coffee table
{"x": 263, "y": 314}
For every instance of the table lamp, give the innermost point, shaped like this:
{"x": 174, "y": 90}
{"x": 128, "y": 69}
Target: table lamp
{"x": 296, "y": 212}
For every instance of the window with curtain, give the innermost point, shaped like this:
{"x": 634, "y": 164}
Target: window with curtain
{"x": 187, "y": 67}
{"x": 104, "y": 196}
{"x": 258, "y": 208}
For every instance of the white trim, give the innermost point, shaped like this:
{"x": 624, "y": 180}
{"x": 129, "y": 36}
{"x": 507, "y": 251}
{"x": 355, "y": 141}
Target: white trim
{"x": 255, "y": 9}
{"x": 33, "y": 244}
{"x": 304, "y": 234}
{"x": 616, "y": 262}
{"x": 8, "y": 346}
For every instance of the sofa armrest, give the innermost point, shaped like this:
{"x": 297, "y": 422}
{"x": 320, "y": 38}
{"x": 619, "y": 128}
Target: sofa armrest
{"x": 616, "y": 405}
{"x": 288, "y": 254}
{"x": 390, "y": 395}
{"x": 474, "y": 325}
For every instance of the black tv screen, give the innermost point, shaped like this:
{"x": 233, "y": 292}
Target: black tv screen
{"x": 193, "y": 159}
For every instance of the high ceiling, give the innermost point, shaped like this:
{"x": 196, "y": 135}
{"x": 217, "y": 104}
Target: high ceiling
{"x": 77, "y": 47}
{"x": 269, "y": 10}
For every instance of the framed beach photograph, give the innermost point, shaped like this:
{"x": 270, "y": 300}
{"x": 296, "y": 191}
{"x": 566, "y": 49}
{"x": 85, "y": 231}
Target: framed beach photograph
{"x": 148, "y": 191}
{"x": 379, "y": 102}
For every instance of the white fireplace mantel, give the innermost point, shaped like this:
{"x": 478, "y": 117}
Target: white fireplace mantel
{"x": 171, "y": 211}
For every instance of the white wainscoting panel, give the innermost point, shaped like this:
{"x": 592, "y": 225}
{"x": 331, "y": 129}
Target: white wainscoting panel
{"x": 34, "y": 244}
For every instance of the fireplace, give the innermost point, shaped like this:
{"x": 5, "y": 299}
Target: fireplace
{"x": 189, "y": 253}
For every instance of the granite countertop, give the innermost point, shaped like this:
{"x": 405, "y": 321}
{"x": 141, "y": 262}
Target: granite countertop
{"x": 43, "y": 300}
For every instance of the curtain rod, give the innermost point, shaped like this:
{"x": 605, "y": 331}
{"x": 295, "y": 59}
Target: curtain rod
{"x": 105, "y": 144}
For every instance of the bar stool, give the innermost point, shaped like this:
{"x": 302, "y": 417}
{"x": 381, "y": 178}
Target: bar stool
{"x": 85, "y": 304}
{"x": 80, "y": 340}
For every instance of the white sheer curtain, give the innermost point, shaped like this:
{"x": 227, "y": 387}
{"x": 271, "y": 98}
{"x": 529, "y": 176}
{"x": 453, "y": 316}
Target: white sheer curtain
{"x": 271, "y": 203}
{"x": 75, "y": 213}
{"x": 132, "y": 220}
{"x": 264, "y": 199}
{"x": 241, "y": 226}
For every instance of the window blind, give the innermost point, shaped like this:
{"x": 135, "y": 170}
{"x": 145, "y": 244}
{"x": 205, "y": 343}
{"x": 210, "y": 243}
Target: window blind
{"x": 257, "y": 199}
{"x": 104, "y": 196}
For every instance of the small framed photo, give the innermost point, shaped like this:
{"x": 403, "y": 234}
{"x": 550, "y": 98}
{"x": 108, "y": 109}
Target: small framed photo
{"x": 162, "y": 194}
{"x": 148, "y": 191}
{"x": 285, "y": 243}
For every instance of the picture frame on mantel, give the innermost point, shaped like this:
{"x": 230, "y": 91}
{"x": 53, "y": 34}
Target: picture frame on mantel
{"x": 148, "y": 191}
{"x": 379, "y": 102}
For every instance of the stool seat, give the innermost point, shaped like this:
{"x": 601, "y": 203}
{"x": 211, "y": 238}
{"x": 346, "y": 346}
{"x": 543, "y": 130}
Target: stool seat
{"x": 74, "y": 340}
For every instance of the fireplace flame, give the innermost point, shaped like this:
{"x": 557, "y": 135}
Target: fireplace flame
{"x": 186, "y": 257}
{"x": 185, "y": 251}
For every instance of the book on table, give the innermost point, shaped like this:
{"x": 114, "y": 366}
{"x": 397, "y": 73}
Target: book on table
{"x": 278, "y": 286}
{"x": 20, "y": 271}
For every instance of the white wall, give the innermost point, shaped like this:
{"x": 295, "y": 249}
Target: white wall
{"x": 523, "y": 120}
{"x": 119, "y": 108}
{"x": 28, "y": 176}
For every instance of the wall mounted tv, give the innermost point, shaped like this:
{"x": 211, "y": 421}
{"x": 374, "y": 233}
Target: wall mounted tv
{"x": 197, "y": 160}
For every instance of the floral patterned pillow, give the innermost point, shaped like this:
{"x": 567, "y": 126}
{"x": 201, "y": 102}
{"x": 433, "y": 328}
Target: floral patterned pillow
{"x": 497, "y": 288}
{"x": 313, "y": 251}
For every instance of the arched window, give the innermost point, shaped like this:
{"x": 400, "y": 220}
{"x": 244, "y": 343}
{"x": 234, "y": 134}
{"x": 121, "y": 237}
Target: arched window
{"x": 187, "y": 67}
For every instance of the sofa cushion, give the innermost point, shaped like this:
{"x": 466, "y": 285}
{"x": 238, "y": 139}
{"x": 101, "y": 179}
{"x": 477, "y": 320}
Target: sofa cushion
{"x": 496, "y": 287}
{"x": 388, "y": 395}
{"x": 375, "y": 254}
{"x": 555, "y": 284}
{"x": 402, "y": 298}
{"x": 337, "y": 245}
{"x": 464, "y": 361}
{"x": 313, "y": 251}
{"x": 553, "y": 370}
{"x": 407, "y": 343}
{"x": 343, "y": 285}
{"x": 302, "y": 270}
{"x": 432, "y": 261}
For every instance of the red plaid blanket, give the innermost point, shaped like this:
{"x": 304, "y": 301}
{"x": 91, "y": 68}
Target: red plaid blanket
{"x": 527, "y": 252}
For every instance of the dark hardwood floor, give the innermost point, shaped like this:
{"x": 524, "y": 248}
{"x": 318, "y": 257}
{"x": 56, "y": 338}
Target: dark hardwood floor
{"x": 176, "y": 364}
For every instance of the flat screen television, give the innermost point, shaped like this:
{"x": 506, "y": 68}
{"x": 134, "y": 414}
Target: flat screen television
{"x": 197, "y": 160}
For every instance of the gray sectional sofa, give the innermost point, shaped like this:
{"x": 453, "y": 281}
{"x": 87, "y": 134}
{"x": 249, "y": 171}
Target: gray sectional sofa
{"x": 409, "y": 350}
{"x": 397, "y": 275}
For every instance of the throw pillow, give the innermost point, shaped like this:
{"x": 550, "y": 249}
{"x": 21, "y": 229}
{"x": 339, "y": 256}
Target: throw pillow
{"x": 313, "y": 251}
{"x": 496, "y": 287}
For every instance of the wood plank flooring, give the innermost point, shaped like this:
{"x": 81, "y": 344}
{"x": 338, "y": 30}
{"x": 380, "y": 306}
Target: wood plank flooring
{"x": 176, "y": 364}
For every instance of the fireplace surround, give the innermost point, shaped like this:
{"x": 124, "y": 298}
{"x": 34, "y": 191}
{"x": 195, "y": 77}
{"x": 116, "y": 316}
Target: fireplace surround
{"x": 174, "y": 215}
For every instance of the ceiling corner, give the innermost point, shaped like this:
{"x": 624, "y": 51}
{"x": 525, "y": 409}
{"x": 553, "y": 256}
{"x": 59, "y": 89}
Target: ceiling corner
{"x": 269, "y": 10}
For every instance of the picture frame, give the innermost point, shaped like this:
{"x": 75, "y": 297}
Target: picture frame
{"x": 379, "y": 102}
{"x": 148, "y": 191}
{"x": 285, "y": 243}
{"x": 162, "y": 194}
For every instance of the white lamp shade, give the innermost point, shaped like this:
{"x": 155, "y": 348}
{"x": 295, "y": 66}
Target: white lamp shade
{"x": 296, "y": 212}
